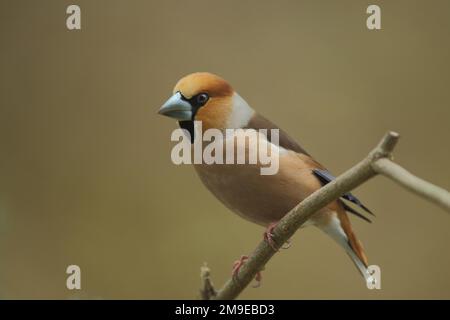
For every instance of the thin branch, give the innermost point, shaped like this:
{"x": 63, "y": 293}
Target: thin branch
{"x": 287, "y": 226}
{"x": 207, "y": 292}
{"x": 377, "y": 162}
{"x": 423, "y": 188}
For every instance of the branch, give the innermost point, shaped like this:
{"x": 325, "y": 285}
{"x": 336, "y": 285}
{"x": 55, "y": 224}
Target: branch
{"x": 378, "y": 161}
{"x": 287, "y": 226}
{"x": 423, "y": 188}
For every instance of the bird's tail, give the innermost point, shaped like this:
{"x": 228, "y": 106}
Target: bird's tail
{"x": 340, "y": 230}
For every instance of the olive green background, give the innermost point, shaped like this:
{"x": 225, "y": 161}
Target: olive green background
{"x": 85, "y": 170}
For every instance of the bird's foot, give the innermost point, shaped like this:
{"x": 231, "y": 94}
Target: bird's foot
{"x": 268, "y": 236}
{"x": 237, "y": 266}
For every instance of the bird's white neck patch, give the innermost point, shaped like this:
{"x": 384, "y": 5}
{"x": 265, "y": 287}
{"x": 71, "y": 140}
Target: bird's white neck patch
{"x": 241, "y": 113}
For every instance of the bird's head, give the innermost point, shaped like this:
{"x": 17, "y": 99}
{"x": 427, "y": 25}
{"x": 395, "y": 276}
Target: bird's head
{"x": 207, "y": 98}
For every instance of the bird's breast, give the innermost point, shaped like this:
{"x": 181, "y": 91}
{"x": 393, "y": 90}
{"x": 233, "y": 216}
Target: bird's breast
{"x": 259, "y": 198}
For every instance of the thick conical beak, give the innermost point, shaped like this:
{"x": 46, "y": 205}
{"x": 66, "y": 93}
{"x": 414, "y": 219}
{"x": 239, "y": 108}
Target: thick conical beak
{"x": 176, "y": 107}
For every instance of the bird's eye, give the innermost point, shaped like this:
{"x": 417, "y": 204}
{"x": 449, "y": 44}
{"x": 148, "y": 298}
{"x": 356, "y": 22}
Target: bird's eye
{"x": 202, "y": 98}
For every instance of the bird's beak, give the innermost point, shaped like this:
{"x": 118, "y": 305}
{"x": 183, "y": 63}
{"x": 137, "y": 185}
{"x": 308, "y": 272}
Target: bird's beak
{"x": 176, "y": 107}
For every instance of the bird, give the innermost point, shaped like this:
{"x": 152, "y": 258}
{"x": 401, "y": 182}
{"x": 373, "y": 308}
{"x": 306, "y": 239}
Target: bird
{"x": 261, "y": 199}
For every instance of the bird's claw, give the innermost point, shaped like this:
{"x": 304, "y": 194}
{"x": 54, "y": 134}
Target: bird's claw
{"x": 268, "y": 236}
{"x": 237, "y": 266}
{"x": 286, "y": 245}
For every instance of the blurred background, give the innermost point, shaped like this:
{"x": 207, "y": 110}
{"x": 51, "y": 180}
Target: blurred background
{"x": 85, "y": 170}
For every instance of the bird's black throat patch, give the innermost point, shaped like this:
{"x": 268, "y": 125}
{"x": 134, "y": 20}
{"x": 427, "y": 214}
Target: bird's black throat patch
{"x": 189, "y": 126}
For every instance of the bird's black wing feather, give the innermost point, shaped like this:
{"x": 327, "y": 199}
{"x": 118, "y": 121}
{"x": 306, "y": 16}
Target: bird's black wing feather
{"x": 356, "y": 213}
{"x": 325, "y": 177}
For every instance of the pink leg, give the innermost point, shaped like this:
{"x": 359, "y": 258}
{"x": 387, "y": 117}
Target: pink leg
{"x": 237, "y": 266}
{"x": 268, "y": 236}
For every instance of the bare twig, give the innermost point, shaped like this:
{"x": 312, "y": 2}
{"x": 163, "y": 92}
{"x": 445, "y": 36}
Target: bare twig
{"x": 378, "y": 161}
{"x": 423, "y": 188}
{"x": 207, "y": 292}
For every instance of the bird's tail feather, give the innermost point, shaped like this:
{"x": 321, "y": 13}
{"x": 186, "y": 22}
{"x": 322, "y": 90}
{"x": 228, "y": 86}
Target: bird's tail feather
{"x": 345, "y": 237}
{"x": 359, "y": 264}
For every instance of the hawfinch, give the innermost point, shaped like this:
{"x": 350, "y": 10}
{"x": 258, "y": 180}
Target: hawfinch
{"x": 262, "y": 199}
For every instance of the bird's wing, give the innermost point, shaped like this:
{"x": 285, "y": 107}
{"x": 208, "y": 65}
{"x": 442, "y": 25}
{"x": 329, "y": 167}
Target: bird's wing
{"x": 325, "y": 177}
{"x": 259, "y": 122}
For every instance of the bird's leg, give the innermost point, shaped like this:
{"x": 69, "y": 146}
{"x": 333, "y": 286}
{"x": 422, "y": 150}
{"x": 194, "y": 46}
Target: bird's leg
{"x": 268, "y": 236}
{"x": 237, "y": 266}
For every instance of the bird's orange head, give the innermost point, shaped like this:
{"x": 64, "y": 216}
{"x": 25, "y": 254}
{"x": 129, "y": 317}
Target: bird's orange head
{"x": 205, "y": 97}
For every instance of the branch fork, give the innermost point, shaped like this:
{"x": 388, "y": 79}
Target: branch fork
{"x": 378, "y": 161}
